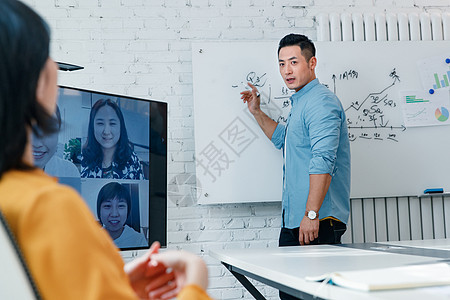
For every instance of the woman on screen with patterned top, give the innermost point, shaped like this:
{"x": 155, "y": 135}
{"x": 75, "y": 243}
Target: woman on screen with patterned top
{"x": 107, "y": 152}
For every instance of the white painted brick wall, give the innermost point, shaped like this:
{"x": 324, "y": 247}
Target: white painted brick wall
{"x": 142, "y": 48}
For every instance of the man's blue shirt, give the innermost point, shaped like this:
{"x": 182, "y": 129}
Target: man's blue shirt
{"x": 314, "y": 141}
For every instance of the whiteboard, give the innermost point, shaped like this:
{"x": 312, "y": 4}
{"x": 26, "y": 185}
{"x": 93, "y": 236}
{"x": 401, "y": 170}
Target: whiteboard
{"x": 235, "y": 162}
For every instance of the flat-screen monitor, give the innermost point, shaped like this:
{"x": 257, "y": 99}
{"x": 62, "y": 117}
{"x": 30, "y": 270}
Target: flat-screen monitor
{"x": 113, "y": 150}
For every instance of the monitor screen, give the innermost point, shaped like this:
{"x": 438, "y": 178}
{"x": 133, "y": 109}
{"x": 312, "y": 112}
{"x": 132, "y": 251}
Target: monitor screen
{"x": 113, "y": 150}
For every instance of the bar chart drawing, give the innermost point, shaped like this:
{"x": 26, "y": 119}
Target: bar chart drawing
{"x": 413, "y": 99}
{"x": 435, "y": 72}
{"x": 441, "y": 83}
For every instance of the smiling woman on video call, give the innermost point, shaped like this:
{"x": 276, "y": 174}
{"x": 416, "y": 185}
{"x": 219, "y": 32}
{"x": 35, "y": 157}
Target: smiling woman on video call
{"x": 107, "y": 152}
{"x": 45, "y": 147}
{"x": 113, "y": 209}
{"x": 68, "y": 254}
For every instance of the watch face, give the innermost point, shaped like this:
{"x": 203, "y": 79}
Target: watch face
{"x": 311, "y": 214}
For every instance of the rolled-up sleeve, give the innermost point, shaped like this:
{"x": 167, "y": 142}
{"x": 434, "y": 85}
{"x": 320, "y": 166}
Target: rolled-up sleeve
{"x": 324, "y": 122}
{"x": 278, "y": 136}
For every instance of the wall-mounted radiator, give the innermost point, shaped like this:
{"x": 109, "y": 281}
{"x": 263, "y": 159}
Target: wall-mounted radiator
{"x": 383, "y": 27}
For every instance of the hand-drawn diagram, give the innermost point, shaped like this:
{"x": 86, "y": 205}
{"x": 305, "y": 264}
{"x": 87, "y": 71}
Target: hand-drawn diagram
{"x": 370, "y": 112}
{"x": 363, "y": 116}
{"x": 275, "y": 104}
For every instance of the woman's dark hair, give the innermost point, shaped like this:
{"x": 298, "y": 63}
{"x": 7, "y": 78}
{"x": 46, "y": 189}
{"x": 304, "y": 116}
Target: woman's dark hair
{"x": 305, "y": 44}
{"x": 24, "y": 50}
{"x": 92, "y": 150}
{"x": 113, "y": 190}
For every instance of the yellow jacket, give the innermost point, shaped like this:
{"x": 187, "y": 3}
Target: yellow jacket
{"x": 69, "y": 255}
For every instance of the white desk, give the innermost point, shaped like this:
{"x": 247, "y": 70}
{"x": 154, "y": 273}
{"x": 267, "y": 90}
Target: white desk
{"x": 285, "y": 268}
{"x": 437, "y": 244}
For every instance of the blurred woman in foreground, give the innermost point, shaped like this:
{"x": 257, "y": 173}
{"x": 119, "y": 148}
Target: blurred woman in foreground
{"x": 67, "y": 252}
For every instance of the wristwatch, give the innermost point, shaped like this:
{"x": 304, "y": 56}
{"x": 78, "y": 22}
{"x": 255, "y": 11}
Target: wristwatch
{"x": 311, "y": 214}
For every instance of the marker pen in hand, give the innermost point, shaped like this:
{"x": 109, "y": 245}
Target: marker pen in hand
{"x": 248, "y": 88}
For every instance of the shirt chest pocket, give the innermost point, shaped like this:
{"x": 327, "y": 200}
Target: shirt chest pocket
{"x": 298, "y": 134}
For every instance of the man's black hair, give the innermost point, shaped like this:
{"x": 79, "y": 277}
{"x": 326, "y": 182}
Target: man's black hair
{"x": 305, "y": 44}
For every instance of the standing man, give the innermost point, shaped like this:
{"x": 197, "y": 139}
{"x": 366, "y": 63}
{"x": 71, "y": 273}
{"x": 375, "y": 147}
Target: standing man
{"x": 316, "y": 150}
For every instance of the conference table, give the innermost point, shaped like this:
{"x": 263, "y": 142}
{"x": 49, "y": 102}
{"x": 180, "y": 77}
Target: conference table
{"x": 285, "y": 268}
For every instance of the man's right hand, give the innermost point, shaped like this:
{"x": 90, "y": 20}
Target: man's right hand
{"x": 252, "y": 99}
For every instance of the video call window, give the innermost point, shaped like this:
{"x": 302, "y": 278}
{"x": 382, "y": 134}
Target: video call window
{"x": 113, "y": 150}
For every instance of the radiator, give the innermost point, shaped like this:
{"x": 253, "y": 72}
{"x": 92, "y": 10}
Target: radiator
{"x": 398, "y": 219}
{"x": 383, "y": 27}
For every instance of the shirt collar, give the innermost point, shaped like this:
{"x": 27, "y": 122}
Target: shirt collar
{"x": 304, "y": 90}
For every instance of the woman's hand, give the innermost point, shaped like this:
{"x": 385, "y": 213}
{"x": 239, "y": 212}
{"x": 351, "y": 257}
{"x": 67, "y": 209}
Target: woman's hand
{"x": 187, "y": 269}
{"x": 144, "y": 274}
